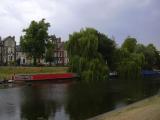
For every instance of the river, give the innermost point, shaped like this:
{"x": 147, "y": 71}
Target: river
{"x": 71, "y": 100}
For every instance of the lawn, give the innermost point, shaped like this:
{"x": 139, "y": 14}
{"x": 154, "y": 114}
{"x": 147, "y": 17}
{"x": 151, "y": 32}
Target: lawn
{"x": 7, "y": 72}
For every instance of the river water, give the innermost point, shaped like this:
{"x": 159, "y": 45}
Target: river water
{"x": 71, "y": 100}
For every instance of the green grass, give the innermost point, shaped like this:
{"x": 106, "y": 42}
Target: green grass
{"x": 7, "y": 72}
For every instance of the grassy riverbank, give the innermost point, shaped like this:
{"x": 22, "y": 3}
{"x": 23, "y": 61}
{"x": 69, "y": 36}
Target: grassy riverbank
{"x": 148, "y": 109}
{"x": 7, "y": 72}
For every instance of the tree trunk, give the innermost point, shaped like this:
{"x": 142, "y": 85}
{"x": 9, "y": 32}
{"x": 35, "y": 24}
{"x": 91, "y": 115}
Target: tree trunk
{"x": 34, "y": 61}
{"x": 39, "y": 60}
{"x": 50, "y": 63}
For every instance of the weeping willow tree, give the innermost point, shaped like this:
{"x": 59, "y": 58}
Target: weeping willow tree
{"x": 84, "y": 57}
{"x": 129, "y": 69}
{"x": 130, "y": 63}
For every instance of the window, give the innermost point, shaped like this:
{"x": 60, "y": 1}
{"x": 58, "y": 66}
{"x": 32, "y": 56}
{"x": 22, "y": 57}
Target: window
{"x": 24, "y": 61}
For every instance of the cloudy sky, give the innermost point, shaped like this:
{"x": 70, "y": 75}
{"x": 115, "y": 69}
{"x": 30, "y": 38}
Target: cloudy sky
{"x": 118, "y": 18}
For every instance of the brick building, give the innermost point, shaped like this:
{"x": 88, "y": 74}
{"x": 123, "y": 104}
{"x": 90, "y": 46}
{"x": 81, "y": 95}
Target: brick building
{"x": 60, "y": 54}
{"x": 10, "y": 53}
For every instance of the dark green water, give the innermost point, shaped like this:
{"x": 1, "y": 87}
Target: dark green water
{"x": 72, "y": 100}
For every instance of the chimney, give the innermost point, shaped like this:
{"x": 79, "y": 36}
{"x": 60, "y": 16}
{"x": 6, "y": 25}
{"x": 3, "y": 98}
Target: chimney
{"x": 13, "y": 37}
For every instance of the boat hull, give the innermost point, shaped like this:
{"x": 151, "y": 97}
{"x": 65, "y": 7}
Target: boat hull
{"x": 41, "y": 77}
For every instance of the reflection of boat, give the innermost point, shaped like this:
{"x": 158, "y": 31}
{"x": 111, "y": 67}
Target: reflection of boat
{"x": 113, "y": 74}
{"x": 37, "y": 77}
{"x": 144, "y": 73}
{"x": 150, "y": 73}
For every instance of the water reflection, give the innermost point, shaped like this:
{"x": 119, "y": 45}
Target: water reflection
{"x": 133, "y": 90}
{"x": 71, "y": 101}
{"x": 35, "y": 105}
{"x": 88, "y": 99}
{"x": 43, "y": 102}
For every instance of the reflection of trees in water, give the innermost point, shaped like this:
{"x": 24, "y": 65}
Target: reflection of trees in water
{"x": 88, "y": 99}
{"x": 84, "y": 99}
{"x": 137, "y": 89}
{"x": 133, "y": 89}
{"x": 152, "y": 86}
{"x": 35, "y": 106}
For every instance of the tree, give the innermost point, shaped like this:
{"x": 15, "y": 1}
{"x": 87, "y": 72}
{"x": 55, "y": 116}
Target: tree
{"x": 34, "y": 39}
{"x": 49, "y": 52}
{"x": 130, "y": 65}
{"x": 140, "y": 48}
{"x": 130, "y": 44}
{"x": 130, "y": 61}
{"x": 84, "y": 57}
{"x": 157, "y": 54}
{"x": 151, "y": 54}
{"x": 106, "y": 47}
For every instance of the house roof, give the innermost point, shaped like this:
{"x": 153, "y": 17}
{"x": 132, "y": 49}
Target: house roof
{"x": 7, "y": 38}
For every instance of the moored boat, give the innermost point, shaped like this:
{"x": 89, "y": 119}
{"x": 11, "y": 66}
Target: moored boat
{"x": 40, "y": 77}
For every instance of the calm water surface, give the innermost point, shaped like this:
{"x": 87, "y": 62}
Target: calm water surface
{"x": 71, "y": 101}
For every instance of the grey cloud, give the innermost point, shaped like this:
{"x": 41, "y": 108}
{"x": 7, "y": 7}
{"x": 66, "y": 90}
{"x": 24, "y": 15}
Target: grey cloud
{"x": 115, "y": 18}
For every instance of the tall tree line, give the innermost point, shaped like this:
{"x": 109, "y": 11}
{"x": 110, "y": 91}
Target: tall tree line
{"x": 92, "y": 54}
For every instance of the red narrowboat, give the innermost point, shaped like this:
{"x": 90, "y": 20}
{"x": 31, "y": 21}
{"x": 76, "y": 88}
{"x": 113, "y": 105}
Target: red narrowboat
{"x": 40, "y": 77}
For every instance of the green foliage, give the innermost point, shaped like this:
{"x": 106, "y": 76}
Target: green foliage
{"x": 130, "y": 66}
{"x": 34, "y": 40}
{"x": 107, "y": 47}
{"x": 128, "y": 69}
{"x": 130, "y": 63}
{"x": 49, "y": 55}
{"x": 138, "y": 58}
{"x": 89, "y": 51}
{"x": 151, "y": 54}
{"x": 130, "y": 44}
{"x": 49, "y": 52}
{"x": 133, "y": 57}
{"x": 140, "y": 48}
{"x": 84, "y": 57}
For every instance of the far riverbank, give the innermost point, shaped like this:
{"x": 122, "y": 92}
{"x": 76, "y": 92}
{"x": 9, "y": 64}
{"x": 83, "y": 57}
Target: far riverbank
{"x": 148, "y": 109}
{"x": 7, "y": 72}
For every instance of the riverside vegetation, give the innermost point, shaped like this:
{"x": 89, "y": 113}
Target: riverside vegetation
{"x": 7, "y": 72}
{"x": 92, "y": 55}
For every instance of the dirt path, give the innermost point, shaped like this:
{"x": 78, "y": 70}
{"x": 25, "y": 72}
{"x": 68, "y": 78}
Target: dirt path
{"x": 148, "y": 109}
